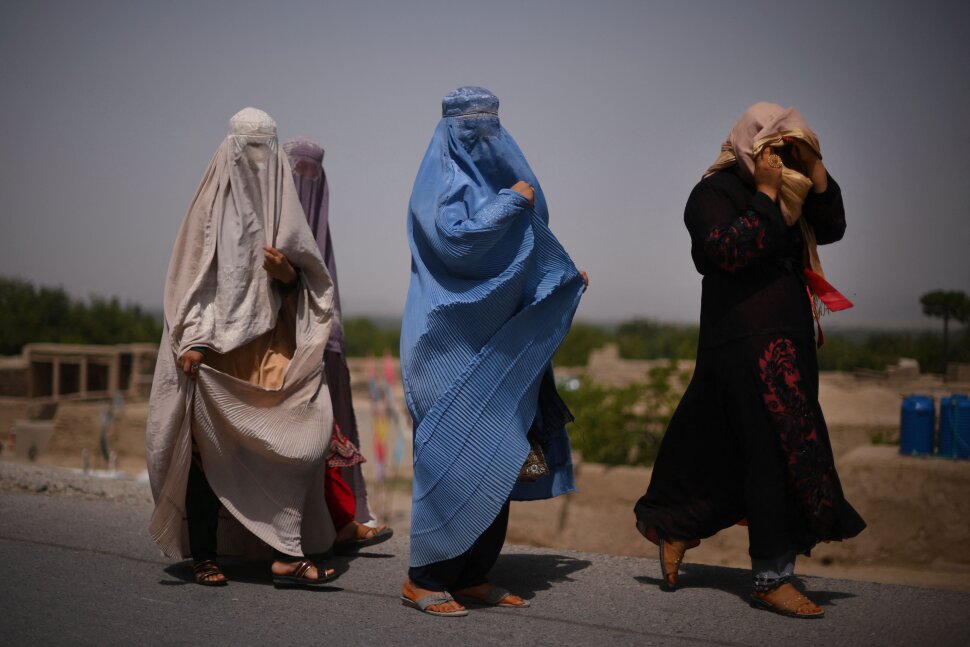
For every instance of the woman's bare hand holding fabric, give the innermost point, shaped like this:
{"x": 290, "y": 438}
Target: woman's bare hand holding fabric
{"x": 190, "y": 362}
{"x": 526, "y": 191}
{"x": 277, "y": 265}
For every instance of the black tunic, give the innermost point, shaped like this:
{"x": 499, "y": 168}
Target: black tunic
{"x": 748, "y": 439}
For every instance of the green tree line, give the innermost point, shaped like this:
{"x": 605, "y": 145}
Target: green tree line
{"x": 43, "y": 314}
{"x": 364, "y": 336}
{"x": 30, "y": 314}
{"x": 842, "y": 351}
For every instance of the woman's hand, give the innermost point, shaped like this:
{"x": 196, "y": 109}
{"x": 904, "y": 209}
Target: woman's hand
{"x": 767, "y": 173}
{"x": 190, "y": 362}
{"x": 526, "y": 191}
{"x": 585, "y": 280}
{"x": 804, "y": 154}
{"x": 277, "y": 265}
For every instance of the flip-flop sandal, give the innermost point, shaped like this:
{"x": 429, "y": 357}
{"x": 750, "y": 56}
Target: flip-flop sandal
{"x": 787, "y": 606}
{"x": 422, "y": 604}
{"x": 299, "y": 579}
{"x": 494, "y": 598}
{"x": 205, "y": 570}
{"x": 353, "y": 545}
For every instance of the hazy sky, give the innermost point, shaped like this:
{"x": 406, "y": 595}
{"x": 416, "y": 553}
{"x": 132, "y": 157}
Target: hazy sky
{"x": 111, "y": 111}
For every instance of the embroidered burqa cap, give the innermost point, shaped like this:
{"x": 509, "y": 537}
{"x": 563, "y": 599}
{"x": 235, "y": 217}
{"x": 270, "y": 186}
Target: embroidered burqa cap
{"x": 310, "y": 178}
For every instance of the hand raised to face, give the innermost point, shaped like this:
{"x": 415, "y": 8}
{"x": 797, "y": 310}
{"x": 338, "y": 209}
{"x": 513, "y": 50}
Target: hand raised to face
{"x": 767, "y": 172}
{"x": 526, "y": 191}
{"x": 806, "y": 157}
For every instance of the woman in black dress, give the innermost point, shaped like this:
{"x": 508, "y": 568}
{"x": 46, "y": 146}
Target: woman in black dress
{"x": 748, "y": 440}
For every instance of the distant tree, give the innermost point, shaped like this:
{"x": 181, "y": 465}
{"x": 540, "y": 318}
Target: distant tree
{"x": 946, "y": 305}
{"x": 646, "y": 339}
{"x": 623, "y": 426}
{"x": 29, "y": 314}
{"x": 363, "y": 337}
{"x": 581, "y": 340}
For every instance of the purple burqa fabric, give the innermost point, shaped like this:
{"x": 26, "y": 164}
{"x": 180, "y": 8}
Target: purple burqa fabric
{"x": 306, "y": 160}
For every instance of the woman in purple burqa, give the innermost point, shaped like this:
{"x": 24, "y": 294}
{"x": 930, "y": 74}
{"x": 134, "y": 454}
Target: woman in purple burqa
{"x": 345, "y": 488}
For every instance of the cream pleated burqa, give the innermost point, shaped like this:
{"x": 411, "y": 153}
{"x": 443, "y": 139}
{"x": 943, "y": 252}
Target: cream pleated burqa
{"x": 260, "y": 400}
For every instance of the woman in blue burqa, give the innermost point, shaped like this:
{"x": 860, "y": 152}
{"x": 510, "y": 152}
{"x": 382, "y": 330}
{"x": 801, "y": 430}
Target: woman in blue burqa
{"x": 491, "y": 297}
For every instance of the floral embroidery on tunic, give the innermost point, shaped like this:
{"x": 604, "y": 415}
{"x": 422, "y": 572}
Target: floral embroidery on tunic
{"x": 342, "y": 452}
{"x": 735, "y": 246}
{"x": 810, "y": 465}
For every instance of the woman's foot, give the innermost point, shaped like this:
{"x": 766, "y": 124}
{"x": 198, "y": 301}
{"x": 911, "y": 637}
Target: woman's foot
{"x": 787, "y": 601}
{"x": 492, "y": 595}
{"x": 300, "y": 573}
{"x": 356, "y": 535}
{"x": 671, "y": 555}
{"x": 208, "y": 573}
{"x": 414, "y": 593}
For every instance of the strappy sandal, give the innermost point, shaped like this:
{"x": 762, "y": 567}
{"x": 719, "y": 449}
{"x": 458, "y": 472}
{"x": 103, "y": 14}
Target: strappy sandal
{"x": 495, "y": 597}
{"x": 788, "y": 601}
{"x": 205, "y": 572}
{"x": 299, "y": 578}
{"x": 433, "y": 599}
{"x": 365, "y": 536}
{"x": 671, "y": 556}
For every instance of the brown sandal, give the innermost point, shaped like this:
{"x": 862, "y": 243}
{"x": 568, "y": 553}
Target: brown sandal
{"x": 299, "y": 578}
{"x": 671, "y": 555}
{"x": 494, "y": 597}
{"x": 364, "y": 536}
{"x": 787, "y": 601}
{"x": 206, "y": 571}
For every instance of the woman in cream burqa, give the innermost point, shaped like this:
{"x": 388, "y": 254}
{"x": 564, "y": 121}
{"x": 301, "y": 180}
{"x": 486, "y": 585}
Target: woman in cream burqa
{"x": 748, "y": 440}
{"x": 492, "y": 295}
{"x": 239, "y": 395}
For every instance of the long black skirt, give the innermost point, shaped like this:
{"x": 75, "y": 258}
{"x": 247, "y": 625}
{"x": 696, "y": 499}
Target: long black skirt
{"x": 748, "y": 441}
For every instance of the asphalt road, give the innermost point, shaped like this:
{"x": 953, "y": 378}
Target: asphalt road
{"x": 78, "y": 568}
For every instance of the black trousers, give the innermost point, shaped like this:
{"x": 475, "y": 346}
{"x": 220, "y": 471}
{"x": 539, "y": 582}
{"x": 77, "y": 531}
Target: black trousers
{"x": 202, "y": 513}
{"x": 471, "y": 567}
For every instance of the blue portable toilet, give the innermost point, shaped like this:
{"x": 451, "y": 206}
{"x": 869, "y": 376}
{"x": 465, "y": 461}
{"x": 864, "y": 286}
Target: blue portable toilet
{"x": 954, "y": 426}
{"x": 916, "y": 423}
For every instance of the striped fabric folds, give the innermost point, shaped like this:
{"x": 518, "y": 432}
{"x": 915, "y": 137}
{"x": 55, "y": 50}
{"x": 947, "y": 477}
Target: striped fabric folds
{"x": 491, "y": 297}
{"x": 261, "y": 445}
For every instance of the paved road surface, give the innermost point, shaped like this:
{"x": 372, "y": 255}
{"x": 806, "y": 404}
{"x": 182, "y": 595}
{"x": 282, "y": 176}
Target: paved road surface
{"x": 78, "y": 568}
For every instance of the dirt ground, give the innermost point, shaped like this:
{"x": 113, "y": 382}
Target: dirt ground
{"x": 917, "y": 509}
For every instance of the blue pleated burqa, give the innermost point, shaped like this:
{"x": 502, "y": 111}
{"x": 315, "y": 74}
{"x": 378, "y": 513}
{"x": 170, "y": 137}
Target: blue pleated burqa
{"x": 491, "y": 297}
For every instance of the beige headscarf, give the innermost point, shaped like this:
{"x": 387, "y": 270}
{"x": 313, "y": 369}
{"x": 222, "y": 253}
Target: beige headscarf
{"x": 259, "y": 402}
{"x": 767, "y": 124}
